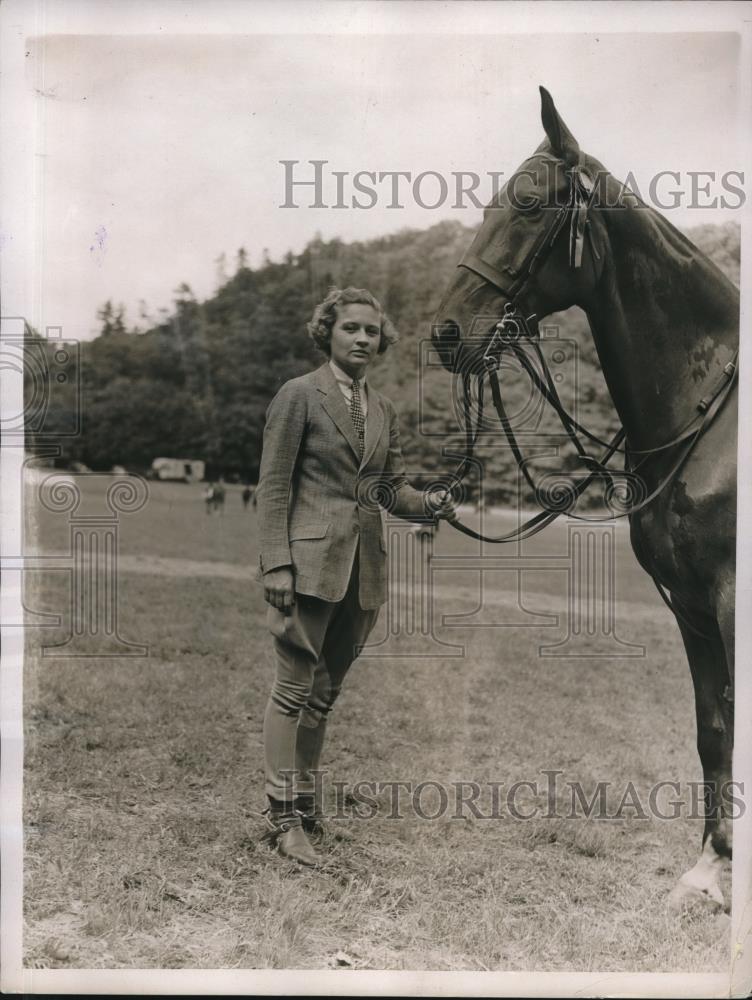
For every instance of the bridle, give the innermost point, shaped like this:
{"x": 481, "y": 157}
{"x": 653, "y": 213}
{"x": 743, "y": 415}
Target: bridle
{"x": 513, "y": 330}
{"x": 575, "y": 208}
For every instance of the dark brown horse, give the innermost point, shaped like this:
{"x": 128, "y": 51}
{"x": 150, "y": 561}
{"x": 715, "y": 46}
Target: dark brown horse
{"x": 665, "y": 322}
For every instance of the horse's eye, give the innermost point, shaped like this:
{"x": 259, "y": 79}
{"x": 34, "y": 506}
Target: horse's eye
{"x": 524, "y": 196}
{"x": 530, "y": 206}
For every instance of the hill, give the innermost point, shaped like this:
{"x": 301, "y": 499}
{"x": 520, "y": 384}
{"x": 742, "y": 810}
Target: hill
{"x": 197, "y": 383}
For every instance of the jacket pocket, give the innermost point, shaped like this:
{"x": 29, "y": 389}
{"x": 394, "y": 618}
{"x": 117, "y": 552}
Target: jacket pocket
{"x": 300, "y": 531}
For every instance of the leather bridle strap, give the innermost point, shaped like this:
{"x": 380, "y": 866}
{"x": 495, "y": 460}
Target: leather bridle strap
{"x": 507, "y": 428}
{"x": 489, "y": 273}
{"x": 712, "y": 405}
{"x": 545, "y": 517}
{"x": 549, "y": 393}
{"x": 583, "y": 191}
{"x": 471, "y": 435}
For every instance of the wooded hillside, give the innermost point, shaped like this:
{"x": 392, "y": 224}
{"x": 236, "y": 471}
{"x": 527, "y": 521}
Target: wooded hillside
{"x": 196, "y": 383}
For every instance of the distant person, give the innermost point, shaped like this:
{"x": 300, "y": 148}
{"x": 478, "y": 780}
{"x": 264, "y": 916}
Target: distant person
{"x": 246, "y": 496}
{"x": 209, "y": 498}
{"x": 330, "y": 439}
{"x": 219, "y": 497}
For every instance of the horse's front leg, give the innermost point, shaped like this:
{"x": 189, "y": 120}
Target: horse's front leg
{"x": 712, "y": 674}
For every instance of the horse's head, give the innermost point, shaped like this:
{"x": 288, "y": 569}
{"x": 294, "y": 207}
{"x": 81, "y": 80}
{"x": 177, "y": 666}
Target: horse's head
{"x": 531, "y": 249}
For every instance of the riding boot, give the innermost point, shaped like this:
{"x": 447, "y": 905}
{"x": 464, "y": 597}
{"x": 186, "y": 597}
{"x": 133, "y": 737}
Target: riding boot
{"x": 286, "y": 831}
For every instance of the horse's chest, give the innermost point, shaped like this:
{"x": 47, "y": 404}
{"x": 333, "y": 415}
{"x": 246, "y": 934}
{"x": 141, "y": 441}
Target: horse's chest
{"x": 683, "y": 538}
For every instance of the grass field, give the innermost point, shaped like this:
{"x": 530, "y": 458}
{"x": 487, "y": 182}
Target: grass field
{"x": 144, "y": 778}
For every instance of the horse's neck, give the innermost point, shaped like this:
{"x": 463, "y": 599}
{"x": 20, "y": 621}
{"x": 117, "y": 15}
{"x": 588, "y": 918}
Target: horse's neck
{"x": 664, "y": 319}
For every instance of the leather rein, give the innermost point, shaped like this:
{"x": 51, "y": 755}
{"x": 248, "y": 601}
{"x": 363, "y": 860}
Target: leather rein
{"x": 511, "y": 332}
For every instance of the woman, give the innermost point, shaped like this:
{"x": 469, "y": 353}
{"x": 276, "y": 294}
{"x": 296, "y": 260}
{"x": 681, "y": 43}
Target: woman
{"x": 331, "y": 448}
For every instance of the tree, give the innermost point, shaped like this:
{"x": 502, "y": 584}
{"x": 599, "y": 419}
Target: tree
{"x": 220, "y": 271}
{"x": 197, "y": 382}
{"x": 132, "y": 422}
{"x": 112, "y": 319}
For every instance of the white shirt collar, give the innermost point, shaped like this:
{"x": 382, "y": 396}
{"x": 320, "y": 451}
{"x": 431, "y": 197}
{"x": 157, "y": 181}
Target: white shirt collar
{"x": 343, "y": 378}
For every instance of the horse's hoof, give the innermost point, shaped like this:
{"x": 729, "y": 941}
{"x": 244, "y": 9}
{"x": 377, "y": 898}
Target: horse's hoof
{"x": 686, "y": 892}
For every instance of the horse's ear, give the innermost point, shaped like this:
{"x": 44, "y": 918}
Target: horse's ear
{"x": 563, "y": 143}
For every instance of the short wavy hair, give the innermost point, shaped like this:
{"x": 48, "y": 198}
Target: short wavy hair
{"x": 325, "y": 316}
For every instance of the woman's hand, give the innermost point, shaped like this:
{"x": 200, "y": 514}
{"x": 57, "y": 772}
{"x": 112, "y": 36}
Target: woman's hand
{"x": 279, "y": 588}
{"x": 443, "y": 505}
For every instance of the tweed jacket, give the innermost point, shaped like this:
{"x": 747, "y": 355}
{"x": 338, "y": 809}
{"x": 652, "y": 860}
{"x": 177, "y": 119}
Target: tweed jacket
{"x": 317, "y": 499}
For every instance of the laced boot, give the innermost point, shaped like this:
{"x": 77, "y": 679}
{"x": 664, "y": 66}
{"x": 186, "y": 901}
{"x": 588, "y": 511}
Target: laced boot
{"x": 311, "y": 815}
{"x": 286, "y": 831}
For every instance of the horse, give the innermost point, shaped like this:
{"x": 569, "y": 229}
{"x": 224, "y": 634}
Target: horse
{"x": 665, "y": 323}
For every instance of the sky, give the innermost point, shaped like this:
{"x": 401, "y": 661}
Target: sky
{"x": 155, "y": 153}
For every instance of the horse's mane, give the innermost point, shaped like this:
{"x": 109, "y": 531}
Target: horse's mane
{"x": 651, "y": 231}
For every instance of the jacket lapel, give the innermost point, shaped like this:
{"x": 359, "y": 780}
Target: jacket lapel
{"x": 374, "y": 425}
{"x": 335, "y": 405}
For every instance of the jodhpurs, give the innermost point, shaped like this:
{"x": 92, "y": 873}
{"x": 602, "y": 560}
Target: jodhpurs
{"x": 313, "y": 649}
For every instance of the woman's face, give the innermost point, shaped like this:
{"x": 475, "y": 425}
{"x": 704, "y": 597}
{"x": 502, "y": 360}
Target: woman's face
{"x": 356, "y": 336}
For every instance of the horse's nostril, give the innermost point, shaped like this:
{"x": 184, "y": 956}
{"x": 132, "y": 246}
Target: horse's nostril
{"x": 446, "y": 340}
{"x": 446, "y": 333}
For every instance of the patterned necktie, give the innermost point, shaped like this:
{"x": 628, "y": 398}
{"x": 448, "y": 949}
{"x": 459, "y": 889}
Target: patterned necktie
{"x": 356, "y": 412}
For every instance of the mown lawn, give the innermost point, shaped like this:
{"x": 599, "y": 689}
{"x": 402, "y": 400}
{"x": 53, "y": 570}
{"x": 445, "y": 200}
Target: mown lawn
{"x": 144, "y": 783}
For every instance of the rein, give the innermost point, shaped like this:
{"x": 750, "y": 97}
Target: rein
{"x": 707, "y": 408}
{"x": 509, "y": 333}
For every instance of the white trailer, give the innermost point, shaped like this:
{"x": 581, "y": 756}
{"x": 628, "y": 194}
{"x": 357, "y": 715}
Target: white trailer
{"x": 183, "y": 470}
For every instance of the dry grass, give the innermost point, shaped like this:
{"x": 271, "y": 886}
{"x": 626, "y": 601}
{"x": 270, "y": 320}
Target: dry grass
{"x": 144, "y": 788}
